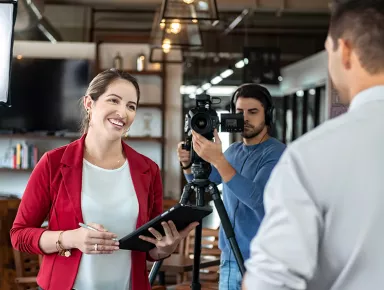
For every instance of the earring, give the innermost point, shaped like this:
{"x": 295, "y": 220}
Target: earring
{"x": 89, "y": 115}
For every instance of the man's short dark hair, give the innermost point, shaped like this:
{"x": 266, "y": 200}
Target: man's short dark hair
{"x": 362, "y": 23}
{"x": 254, "y": 91}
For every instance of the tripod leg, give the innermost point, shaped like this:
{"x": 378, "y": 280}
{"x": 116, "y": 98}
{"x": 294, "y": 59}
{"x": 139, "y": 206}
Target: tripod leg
{"x": 153, "y": 273}
{"x": 188, "y": 188}
{"x": 226, "y": 224}
{"x": 197, "y": 249}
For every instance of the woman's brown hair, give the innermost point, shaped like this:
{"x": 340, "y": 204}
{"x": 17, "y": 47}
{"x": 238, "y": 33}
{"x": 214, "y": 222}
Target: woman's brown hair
{"x": 100, "y": 84}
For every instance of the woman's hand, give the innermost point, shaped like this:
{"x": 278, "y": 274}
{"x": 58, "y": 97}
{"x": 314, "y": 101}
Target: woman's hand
{"x": 166, "y": 245}
{"x": 91, "y": 242}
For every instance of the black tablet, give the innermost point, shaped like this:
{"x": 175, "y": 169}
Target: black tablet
{"x": 182, "y": 215}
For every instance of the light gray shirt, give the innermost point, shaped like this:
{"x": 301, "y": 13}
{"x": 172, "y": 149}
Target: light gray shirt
{"x": 324, "y": 202}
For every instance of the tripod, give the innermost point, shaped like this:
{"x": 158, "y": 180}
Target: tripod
{"x": 200, "y": 183}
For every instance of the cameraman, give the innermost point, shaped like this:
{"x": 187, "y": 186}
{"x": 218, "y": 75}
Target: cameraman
{"x": 243, "y": 169}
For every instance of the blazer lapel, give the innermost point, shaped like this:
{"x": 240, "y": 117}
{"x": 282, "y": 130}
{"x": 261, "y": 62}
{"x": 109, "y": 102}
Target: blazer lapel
{"x": 72, "y": 171}
{"x": 141, "y": 181}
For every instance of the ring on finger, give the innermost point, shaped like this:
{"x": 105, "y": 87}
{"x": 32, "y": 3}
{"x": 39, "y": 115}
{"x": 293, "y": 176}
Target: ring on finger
{"x": 95, "y": 247}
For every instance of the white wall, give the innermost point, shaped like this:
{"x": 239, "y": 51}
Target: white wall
{"x": 15, "y": 182}
{"x": 307, "y": 73}
{"x": 45, "y": 49}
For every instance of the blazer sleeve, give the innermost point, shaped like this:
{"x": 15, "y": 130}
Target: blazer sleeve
{"x": 33, "y": 209}
{"x": 157, "y": 199}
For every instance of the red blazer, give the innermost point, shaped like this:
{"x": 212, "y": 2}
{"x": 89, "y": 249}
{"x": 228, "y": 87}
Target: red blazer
{"x": 54, "y": 190}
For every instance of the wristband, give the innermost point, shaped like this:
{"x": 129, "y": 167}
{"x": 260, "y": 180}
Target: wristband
{"x": 186, "y": 167}
{"x": 62, "y": 252}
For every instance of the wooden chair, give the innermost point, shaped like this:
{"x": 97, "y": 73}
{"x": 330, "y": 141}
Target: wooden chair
{"x": 168, "y": 278}
{"x": 27, "y": 268}
{"x": 8, "y": 210}
{"x": 168, "y": 203}
{"x": 209, "y": 277}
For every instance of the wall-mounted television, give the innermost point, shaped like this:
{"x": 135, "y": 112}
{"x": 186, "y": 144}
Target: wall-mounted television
{"x": 45, "y": 95}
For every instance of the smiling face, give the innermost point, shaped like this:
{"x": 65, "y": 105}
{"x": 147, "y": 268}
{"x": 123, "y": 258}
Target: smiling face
{"x": 114, "y": 111}
{"x": 254, "y": 116}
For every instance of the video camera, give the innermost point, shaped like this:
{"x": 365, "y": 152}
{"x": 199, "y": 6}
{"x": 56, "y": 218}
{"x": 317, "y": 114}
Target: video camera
{"x": 203, "y": 119}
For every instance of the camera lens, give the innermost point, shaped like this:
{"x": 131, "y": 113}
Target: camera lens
{"x": 201, "y": 123}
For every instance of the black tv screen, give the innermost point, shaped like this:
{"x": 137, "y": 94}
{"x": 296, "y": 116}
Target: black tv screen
{"x": 45, "y": 95}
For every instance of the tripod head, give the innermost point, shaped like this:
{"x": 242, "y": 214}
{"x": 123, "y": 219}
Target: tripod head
{"x": 200, "y": 168}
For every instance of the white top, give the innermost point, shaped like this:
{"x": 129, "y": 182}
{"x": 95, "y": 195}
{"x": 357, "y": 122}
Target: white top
{"x": 324, "y": 203}
{"x": 108, "y": 198}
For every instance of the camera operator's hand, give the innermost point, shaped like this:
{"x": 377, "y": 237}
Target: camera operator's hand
{"x": 183, "y": 155}
{"x": 210, "y": 151}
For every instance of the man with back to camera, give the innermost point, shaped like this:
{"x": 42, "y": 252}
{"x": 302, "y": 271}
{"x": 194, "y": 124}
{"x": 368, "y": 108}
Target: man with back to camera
{"x": 244, "y": 170}
{"x": 324, "y": 201}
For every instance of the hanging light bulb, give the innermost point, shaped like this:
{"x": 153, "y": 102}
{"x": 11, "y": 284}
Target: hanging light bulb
{"x": 175, "y": 26}
{"x": 162, "y": 24}
{"x": 188, "y": 1}
{"x": 166, "y": 45}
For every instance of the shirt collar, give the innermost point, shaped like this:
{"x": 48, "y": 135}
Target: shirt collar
{"x": 375, "y": 93}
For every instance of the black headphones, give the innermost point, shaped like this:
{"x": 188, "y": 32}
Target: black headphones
{"x": 269, "y": 110}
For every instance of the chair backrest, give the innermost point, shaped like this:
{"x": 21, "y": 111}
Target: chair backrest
{"x": 209, "y": 250}
{"x": 27, "y": 268}
{"x": 12, "y": 269}
{"x": 168, "y": 203}
{"x": 27, "y": 265}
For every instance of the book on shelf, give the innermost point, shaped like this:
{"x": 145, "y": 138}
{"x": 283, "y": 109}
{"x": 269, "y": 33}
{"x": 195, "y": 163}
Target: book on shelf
{"x": 22, "y": 156}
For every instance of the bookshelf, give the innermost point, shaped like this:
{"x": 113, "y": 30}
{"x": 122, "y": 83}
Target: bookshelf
{"x": 21, "y": 159}
{"x": 30, "y": 136}
{"x": 69, "y": 139}
{"x": 14, "y": 170}
{"x": 151, "y": 106}
{"x": 142, "y": 73}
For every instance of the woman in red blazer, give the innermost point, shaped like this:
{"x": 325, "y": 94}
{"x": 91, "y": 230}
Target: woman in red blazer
{"x": 67, "y": 186}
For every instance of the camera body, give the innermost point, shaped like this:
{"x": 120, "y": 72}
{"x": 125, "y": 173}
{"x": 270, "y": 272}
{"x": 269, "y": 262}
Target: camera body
{"x": 204, "y": 120}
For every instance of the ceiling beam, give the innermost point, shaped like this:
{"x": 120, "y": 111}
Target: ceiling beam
{"x": 236, "y": 21}
{"x": 223, "y": 5}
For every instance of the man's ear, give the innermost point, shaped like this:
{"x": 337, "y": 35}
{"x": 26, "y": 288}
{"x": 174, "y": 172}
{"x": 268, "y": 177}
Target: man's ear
{"x": 88, "y": 102}
{"x": 345, "y": 48}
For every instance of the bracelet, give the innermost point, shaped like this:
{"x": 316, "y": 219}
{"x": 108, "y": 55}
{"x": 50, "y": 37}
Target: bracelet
{"x": 62, "y": 252}
{"x": 186, "y": 167}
